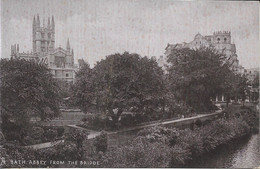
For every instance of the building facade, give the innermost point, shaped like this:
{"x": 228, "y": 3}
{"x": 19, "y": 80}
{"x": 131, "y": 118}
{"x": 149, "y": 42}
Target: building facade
{"x": 220, "y": 41}
{"x": 60, "y": 61}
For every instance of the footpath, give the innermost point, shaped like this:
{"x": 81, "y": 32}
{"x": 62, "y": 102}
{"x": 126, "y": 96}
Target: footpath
{"x": 92, "y": 134}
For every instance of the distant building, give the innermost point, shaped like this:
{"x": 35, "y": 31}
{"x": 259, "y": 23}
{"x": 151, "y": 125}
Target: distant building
{"x": 59, "y": 60}
{"x": 221, "y": 41}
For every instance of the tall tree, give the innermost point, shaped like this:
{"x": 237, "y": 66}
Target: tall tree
{"x": 83, "y": 89}
{"x": 27, "y": 90}
{"x": 196, "y": 76}
{"x": 121, "y": 82}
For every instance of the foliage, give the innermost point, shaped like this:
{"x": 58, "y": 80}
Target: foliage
{"x": 196, "y": 76}
{"x": 2, "y": 138}
{"x": 95, "y": 122}
{"x": 50, "y": 135}
{"x": 76, "y": 136}
{"x": 158, "y": 133}
{"x": 236, "y": 86}
{"x": 141, "y": 153}
{"x": 27, "y": 89}
{"x": 119, "y": 83}
{"x": 60, "y": 131}
{"x": 83, "y": 88}
{"x": 170, "y": 147}
{"x": 37, "y": 133}
{"x": 100, "y": 142}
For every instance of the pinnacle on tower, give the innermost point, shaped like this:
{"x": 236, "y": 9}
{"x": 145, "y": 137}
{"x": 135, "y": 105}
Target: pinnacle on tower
{"x": 68, "y": 45}
{"x": 12, "y": 50}
{"x": 18, "y": 48}
{"x": 34, "y": 21}
{"x": 72, "y": 52}
{"x": 38, "y": 23}
{"x": 43, "y": 22}
{"x": 52, "y": 22}
{"x": 49, "y": 23}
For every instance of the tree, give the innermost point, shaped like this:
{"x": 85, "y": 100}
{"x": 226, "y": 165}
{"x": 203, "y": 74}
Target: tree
{"x": 196, "y": 76}
{"x": 27, "y": 89}
{"x": 83, "y": 89}
{"x": 121, "y": 82}
{"x": 235, "y": 87}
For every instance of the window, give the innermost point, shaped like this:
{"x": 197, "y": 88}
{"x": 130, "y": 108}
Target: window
{"x": 42, "y": 34}
{"x": 218, "y": 40}
{"x": 67, "y": 75}
{"x": 49, "y": 35}
{"x": 225, "y": 39}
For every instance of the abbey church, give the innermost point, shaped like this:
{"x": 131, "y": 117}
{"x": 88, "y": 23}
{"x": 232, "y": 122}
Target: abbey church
{"x": 220, "y": 41}
{"x": 60, "y": 61}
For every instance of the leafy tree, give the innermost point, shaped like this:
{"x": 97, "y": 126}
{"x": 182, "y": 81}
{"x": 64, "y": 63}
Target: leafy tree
{"x": 196, "y": 76}
{"x": 83, "y": 89}
{"x": 27, "y": 89}
{"x": 255, "y": 87}
{"x": 119, "y": 83}
{"x": 100, "y": 142}
{"x": 235, "y": 87}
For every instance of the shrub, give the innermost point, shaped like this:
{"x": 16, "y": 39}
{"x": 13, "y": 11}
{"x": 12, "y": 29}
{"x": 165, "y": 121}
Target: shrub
{"x": 178, "y": 156}
{"x": 198, "y": 123}
{"x": 84, "y": 119}
{"x": 158, "y": 133}
{"x": 2, "y": 138}
{"x": 36, "y": 133}
{"x": 50, "y": 135}
{"x": 76, "y": 136}
{"x": 140, "y": 153}
{"x": 100, "y": 142}
{"x": 60, "y": 131}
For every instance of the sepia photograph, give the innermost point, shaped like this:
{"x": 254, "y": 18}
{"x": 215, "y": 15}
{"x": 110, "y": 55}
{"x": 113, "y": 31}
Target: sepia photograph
{"x": 129, "y": 84}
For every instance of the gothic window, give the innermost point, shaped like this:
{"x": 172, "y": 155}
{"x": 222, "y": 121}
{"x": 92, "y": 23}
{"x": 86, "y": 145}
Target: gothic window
{"x": 49, "y": 35}
{"x": 225, "y": 39}
{"x": 67, "y": 75}
{"x": 42, "y": 34}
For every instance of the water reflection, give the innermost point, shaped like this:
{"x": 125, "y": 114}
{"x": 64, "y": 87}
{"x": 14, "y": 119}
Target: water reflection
{"x": 244, "y": 153}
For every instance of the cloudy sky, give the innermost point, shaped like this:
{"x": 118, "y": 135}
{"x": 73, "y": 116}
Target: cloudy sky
{"x": 97, "y": 28}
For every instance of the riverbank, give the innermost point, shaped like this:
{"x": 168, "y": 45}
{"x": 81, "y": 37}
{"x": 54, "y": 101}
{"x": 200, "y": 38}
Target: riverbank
{"x": 157, "y": 146}
{"x": 171, "y": 147}
{"x": 239, "y": 153}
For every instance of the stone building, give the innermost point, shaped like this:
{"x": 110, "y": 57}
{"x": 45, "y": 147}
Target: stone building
{"x": 60, "y": 61}
{"x": 220, "y": 41}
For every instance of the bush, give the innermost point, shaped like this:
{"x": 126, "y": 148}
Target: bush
{"x": 100, "y": 142}
{"x": 76, "y": 136}
{"x": 36, "y": 133}
{"x": 2, "y": 138}
{"x": 50, "y": 135}
{"x": 60, "y": 131}
{"x": 84, "y": 119}
{"x": 198, "y": 123}
{"x": 94, "y": 122}
{"x": 140, "y": 153}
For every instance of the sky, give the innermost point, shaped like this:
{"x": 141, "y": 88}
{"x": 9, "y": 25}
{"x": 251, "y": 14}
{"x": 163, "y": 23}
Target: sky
{"x": 97, "y": 28}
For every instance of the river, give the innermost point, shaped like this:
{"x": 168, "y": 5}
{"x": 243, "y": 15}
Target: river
{"x": 243, "y": 153}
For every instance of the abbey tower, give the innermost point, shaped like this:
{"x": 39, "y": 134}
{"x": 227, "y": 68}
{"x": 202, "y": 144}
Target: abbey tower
{"x": 59, "y": 60}
{"x": 43, "y": 38}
